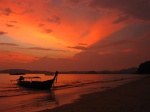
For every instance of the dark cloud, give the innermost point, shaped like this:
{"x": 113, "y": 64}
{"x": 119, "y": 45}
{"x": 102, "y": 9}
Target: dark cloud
{"x": 113, "y": 46}
{"x": 80, "y": 46}
{"x": 2, "y": 33}
{"x": 13, "y": 21}
{"x": 9, "y": 44}
{"x": 102, "y": 46}
{"x": 48, "y": 30}
{"x": 44, "y": 49}
{"x": 120, "y": 19}
{"x": 116, "y": 43}
{"x": 7, "y": 11}
{"x": 77, "y": 47}
{"x": 135, "y": 8}
{"x": 39, "y": 48}
{"x": 41, "y": 25}
{"x": 54, "y": 19}
{"x": 10, "y": 25}
{"x": 60, "y": 50}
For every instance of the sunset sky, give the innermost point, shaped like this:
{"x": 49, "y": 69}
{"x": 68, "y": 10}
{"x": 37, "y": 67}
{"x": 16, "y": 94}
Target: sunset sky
{"x": 67, "y": 35}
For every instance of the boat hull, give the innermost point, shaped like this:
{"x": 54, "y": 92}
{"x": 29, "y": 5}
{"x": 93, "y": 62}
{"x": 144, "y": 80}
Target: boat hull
{"x": 39, "y": 85}
{"x": 44, "y": 85}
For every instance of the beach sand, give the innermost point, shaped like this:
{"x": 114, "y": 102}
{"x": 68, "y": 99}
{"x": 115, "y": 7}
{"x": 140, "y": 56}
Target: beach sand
{"x": 131, "y": 97}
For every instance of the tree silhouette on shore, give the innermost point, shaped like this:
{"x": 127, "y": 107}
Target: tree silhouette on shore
{"x": 144, "y": 68}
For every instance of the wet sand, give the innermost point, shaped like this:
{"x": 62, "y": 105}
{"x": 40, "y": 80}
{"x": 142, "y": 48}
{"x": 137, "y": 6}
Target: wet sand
{"x": 131, "y": 97}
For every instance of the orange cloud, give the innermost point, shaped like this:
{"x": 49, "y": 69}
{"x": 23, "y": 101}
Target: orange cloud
{"x": 127, "y": 50}
{"x": 59, "y": 27}
{"x": 104, "y": 52}
{"x": 13, "y": 57}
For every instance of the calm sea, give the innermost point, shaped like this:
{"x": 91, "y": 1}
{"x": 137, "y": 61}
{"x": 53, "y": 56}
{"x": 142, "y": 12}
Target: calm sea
{"x": 68, "y": 88}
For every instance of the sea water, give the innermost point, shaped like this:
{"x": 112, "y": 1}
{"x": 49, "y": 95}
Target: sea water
{"x": 67, "y": 89}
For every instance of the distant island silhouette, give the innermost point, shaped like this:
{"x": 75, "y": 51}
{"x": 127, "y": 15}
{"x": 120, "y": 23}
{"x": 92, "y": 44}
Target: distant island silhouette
{"x": 123, "y": 71}
{"x": 15, "y": 71}
{"x": 144, "y": 68}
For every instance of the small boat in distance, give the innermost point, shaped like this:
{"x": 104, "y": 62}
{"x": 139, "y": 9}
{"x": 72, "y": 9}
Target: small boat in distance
{"x": 17, "y": 73}
{"x": 36, "y": 84}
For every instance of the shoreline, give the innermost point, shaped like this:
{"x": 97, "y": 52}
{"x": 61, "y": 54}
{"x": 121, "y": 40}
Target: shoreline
{"x": 131, "y": 97}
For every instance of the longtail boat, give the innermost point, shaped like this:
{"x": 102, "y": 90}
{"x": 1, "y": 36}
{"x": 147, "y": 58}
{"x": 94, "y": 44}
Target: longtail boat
{"x": 39, "y": 85}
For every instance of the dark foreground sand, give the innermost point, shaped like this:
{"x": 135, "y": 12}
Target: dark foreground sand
{"x": 132, "y": 97}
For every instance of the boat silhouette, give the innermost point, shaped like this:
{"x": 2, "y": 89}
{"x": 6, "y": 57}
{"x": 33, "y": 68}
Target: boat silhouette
{"x": 36, "y": 84}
